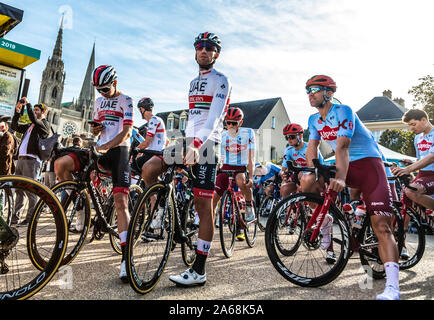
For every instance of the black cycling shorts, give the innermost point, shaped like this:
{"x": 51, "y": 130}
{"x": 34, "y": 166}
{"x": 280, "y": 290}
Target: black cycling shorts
{"x": 205, "y": 170}
{"x": 116, "y": 160}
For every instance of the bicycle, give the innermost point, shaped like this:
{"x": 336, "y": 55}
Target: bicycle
{"x": 163, "y": 216}
{"x": 303, "y": 262}
{"x": 231, "y": 215}
{"x": 268, "y": 203}
{"x": 89, "y": 187}
{"x": 29, "y": 257}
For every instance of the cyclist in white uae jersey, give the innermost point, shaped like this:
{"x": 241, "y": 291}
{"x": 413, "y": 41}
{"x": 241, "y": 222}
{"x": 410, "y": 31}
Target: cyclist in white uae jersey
{"x": 208, "y": 101}
{"x": 114, "y": 112}
{"x": 156, "y": 139}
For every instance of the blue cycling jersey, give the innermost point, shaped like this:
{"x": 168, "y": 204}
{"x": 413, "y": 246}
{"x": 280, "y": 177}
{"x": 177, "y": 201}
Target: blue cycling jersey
{"x": 424, "y": 145}
{"x": 299, "y": 156}
{"x": 342, "y": 121}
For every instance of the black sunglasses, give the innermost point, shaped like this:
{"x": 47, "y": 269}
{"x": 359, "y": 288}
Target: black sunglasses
{"x": 208, "y": 47}
{"x": 104, "y": 90}
{"x": 231, "y": 123}
{"x": 290, "y": 137}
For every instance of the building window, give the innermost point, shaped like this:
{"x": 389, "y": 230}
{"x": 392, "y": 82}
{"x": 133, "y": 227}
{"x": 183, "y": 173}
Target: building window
{"x": 170, "y": 124}
{"x": 273, "y": 123}
{"x": 54, "y": 93}
{"x": 182, "y": 124}
{"x": 273, "y": 154}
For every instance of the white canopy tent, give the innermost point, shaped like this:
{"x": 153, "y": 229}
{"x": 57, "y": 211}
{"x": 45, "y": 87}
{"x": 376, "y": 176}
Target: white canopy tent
{"x": 390, "y": 155}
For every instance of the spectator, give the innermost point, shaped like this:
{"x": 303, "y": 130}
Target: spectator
{"x": 28, "y": 163}
{"x": 7, "y": 148}
{"x": 77, "y": 142}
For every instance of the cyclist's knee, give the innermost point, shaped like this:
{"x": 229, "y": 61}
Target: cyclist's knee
{"x": 381, "y": 225}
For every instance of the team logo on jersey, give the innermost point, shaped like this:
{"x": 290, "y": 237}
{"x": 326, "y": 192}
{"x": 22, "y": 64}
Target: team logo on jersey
{"x": 236, "y": 148}
{"x": 329, "y": 134}
{"x": 342, "y": 124}
{"x": 351, "y": 125}
{"x": 301, "y": 162}
{"x": 424, "y": 145}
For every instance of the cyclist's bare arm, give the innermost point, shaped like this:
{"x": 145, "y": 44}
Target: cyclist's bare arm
{"x": 342, "y": 155}
{"x": 422, "y": 163}
{"x": 312, "y": 151}
{"x": 145, "y": 144}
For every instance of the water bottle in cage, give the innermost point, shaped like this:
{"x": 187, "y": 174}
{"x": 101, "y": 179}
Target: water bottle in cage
{"x": 241, "y": 201}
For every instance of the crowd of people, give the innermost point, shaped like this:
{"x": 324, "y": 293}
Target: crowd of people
{"x": 216, "y": 138}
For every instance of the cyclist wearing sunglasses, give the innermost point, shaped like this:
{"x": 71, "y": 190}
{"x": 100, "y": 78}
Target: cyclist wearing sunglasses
{"x": 114, "y": 111}
{"x": 296, "y": 151}
{"x": 238, "y": 148}
{"x": 208, "y": 101}
{"x": 359, "y": 165}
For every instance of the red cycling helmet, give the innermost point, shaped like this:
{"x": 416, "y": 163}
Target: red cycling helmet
{"x": 234, "y": 114}
{"x": 323, "y": 81}
{"x": 292, "y": 128}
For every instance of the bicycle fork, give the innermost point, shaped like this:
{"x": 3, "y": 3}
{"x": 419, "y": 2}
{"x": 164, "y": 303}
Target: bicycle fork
{"x": 320, "y": 213}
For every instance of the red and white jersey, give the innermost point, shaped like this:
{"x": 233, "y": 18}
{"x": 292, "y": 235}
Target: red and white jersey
{"x": 157, "y": 131}
{"x": 424, "y": 145}
{"x": 208, "y": 102}
{"x": 113, "y": 114}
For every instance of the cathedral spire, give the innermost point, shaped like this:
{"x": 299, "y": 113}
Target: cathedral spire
{"x": 57, "y": 51}
{"x": 87, "y": 93}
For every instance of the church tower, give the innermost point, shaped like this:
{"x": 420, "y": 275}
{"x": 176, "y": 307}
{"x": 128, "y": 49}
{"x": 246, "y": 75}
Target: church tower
{"x": 53, "y": 77}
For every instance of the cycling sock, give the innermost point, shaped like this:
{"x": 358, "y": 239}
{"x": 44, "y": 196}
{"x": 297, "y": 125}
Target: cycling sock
{"x": 392, "y": 274}
{"x": 123, "y": 239}
{"x": 202, "y": 251}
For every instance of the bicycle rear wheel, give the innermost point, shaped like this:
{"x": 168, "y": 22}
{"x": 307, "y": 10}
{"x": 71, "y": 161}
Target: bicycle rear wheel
{"x": 369, "y": 251}
{"x": 76, "y": 205}
{"x": 227, "y": 224}
{"x": 149, "y": 239}
{"x": 22, "y": 274}
{"x": 6, "y": 205}
{"x": 191, "y": 230}
{"x": 251, "y": 232}
{"x": 304, "y": 262}
{"x": 414, "y": 242}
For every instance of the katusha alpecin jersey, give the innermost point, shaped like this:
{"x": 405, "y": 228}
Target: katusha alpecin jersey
{"x": 113, "y": 114}
{"x": 236, "y": 149}
{"x": 341, "y": 121}
{"x": 299, "y": 156}
{"x": 424, "y": 145}
{"x": 208, "y": 102}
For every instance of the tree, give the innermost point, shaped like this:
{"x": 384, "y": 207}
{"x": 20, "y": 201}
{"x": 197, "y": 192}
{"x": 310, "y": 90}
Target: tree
{"x": 399, "y": 141}
{"x": 424, "y": 95}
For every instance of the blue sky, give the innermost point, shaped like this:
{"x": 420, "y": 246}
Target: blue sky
{"x": 270, "y": 48}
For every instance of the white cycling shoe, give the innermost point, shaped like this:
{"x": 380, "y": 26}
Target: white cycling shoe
{"x": 189, "y": 278}
{"x": 123, "y": 274}
{"x": 390, "y": 293}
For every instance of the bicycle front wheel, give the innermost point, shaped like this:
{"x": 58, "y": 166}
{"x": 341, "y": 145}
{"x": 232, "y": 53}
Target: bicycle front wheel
{"x": 263, "y": 212}
{"x": 414, "y": 243}
{"x": 305, "y": 263}
{"x": 191, "y": 231}
{"x": 149, "y": 239}
{"x": 227, "y": 224}
{"x": 21, "y": 273}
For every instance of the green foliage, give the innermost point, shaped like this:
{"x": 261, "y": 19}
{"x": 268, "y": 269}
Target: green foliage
{"x": 399, "y": 141}
{"x": 423, "y": 95}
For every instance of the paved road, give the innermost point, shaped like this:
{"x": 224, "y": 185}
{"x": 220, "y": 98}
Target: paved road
{"x": 248, "y": 275}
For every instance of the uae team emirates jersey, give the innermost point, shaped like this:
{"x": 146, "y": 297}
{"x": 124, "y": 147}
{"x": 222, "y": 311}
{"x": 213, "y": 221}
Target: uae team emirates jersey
{"x": 208, "y": 102}
{"x": 341, "y": 121}
{"x": 424, "y": 145}
{"x": 236, "y": 149}
{"x": 113, "y": 114}
{"x": 157, "y": 131}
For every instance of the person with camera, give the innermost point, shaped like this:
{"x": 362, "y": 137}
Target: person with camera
{"x": 28, "y": 163}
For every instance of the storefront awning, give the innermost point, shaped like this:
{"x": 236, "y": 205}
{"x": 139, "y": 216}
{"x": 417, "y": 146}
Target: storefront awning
{"x": 9, "y": 18}
{"x": 17, "y": 55}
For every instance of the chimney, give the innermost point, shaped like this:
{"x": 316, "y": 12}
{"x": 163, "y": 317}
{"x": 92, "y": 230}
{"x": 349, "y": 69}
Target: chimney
{"x": 400, "y": 101}
{"x": 387, "y": 93}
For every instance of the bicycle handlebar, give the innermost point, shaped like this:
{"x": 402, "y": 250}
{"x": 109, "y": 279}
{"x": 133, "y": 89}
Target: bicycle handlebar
{"x": 235, "y": 172}
{"x": 320, "y": 170}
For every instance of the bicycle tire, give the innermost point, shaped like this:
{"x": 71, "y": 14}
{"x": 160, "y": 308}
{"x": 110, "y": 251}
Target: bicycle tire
{"x": 414, "y": 242}
{"x": 308, "y": 254}
{"x": 263, "y": 213}
{"x": 139, "y": 227}
{"x": 76, "y": 239}
{"x": 227, "y": 224}
{"x": 251, "y": 232}
{"x": 28, "y": 282}
{"x": 188, "y": 248}
{"x": 370, "y": 258}
{"x": 7, "y": 205}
